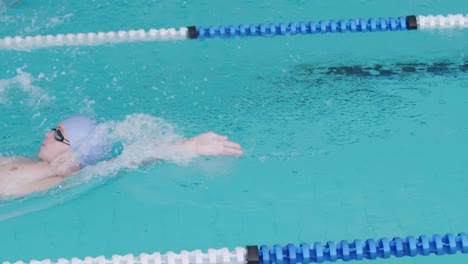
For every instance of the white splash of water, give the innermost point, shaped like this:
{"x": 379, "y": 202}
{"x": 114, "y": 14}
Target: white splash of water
{"x": 48, "y": 24}
{"x": 23, "y": 82}
{"x": 144, "y": 140}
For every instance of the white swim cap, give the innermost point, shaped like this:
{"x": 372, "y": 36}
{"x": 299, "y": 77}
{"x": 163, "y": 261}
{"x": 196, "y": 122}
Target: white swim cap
{"x": 89, "y": 147}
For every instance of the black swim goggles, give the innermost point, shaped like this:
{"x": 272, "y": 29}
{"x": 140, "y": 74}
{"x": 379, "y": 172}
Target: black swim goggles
{"x": 59, "y": 136}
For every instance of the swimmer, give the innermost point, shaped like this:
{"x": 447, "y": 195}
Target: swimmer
{"x": 71, "y": 144}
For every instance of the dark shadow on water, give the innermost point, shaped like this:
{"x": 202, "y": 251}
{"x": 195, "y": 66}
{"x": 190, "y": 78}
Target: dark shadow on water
{"x": 394, "y": 69}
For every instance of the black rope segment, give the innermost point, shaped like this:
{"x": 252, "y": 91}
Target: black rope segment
{"x": 252, "y": 255}
{"x": 192, "y": 32}
{"x": 411, "y": 23}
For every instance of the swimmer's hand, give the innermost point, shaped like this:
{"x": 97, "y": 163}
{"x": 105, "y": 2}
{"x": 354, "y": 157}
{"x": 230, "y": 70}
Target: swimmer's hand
{"x": 212, "y": 144}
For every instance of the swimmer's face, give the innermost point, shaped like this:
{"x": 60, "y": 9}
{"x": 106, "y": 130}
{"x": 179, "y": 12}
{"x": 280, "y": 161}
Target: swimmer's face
{"x": 55, "y": 143}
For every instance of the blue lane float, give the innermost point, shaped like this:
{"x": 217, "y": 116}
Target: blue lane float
{"x": 294, "y": 28}
{"x": 358, "y": 249}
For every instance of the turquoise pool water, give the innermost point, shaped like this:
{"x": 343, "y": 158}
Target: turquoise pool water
{"x": 331, "y": 152}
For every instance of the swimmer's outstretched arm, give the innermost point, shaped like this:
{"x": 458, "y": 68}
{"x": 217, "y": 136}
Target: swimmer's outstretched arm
{"x": 205, "y": 144}
{"x": 212, "y": 144}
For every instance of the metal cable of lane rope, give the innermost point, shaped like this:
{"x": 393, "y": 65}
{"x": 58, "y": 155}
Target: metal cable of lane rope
{"x": 197, "y": 32}
{"x": 290, "y": 254}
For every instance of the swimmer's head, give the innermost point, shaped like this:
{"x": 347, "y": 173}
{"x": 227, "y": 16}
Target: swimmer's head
{"x": 81, "y": 135}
